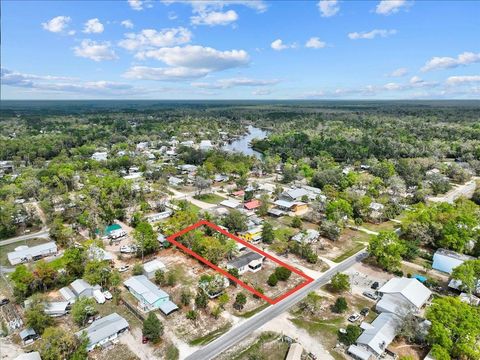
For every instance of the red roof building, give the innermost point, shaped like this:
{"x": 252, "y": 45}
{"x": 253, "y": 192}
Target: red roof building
{"x": 251, "y": 205}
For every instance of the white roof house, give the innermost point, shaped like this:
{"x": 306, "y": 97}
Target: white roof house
{"x": 379, "y": 334}
{"x": 150, "y": 297}
{"x": 81, "y": 288}
{"x": 206, "y": 145}
{"x": 401, "y": 295}
{"x": 56, "y": 308}
{"x": 232, "y": 204}
{"x": 159, "y": 216}
{"x": 150, "y": 267}
{"x": 250, "y": 261}
{"x": 68, "y": 295}
{"x": 175, "y": 181}
{"x": 24, "y": 253}
{"x": 104, "y": 330}
{"x": 447, "y": 260}
{"x": 97, "y": 253}
{"x": 376, "y": 206}
{"x": 295, "y": 194}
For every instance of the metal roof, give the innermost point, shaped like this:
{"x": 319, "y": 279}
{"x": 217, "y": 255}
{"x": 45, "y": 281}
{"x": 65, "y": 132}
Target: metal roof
{"x": 167, "y": 307}
{"x": 148, "y": 290}
{"x": 153, "y": 265}
{"x": 104, "y": 328}
{"x": 26, "y": 333}
{"x": 30, "y": 252}
{"x": 67, "y": 294}
{"x": 230, "y": 203}
{"x": 78, "y": 286}
{"x": 411, "y": 289}
{"x": 381, "y": 334}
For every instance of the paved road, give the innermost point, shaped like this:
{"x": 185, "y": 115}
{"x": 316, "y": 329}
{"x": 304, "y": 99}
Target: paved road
{"x": 240, "y": 332}
{"x": 39, "y": 234}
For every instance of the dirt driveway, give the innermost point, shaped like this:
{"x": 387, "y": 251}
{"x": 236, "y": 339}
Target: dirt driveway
{"x": 133, "y": 339}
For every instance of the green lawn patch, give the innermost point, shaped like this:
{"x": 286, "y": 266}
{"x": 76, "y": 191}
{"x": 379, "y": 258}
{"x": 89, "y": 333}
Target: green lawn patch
{"x": 210, "y": 198}
{"x": 356, "y": 248}
{"x": 250, "y": 313}
{"x": 210, "y": 336}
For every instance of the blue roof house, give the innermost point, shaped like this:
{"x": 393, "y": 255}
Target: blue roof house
{"x": 446, "y": 260}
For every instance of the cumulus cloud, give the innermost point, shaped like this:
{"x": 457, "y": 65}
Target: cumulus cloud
{"x": 328, "y": 7}
{"x": 136, "y": 4}
{"x": 188, "y": 62}
{"x": 463, "y": 80}
{"x": 96, "y": 51}
{"x": 371, "y": 34}
{"x": 261, "y": 92}
{"x": 399, "y": 72}
{"x": 93, "y": 26}
{"x": 278, "y": 45}
{"x": 51, "y": 83}
{"x": 235, "y": 82}
{"x": 211, "y": 5}
{"x": 214, "y": 18}
{"x": 463, "y": 59}
{"x": 127, "y": 24}
{"x": 315, "y": 43}
{"x": 150, "y": 38}
{"x": 387, "y": 7}
{"x": 58, "y": 24}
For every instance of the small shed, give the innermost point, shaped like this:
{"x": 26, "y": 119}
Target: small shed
{"x": 150, "y": 267}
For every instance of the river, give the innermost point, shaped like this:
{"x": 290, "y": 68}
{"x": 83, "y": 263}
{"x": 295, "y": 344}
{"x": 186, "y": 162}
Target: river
{"x": 241, "y": 144}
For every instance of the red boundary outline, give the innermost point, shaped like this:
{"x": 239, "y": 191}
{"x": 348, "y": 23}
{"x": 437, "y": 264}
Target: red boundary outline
{"x": 171, "y": 239}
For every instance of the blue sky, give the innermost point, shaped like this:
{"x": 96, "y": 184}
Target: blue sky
{"x": 240, "y": 49}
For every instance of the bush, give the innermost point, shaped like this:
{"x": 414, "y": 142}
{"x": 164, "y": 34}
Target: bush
{"x": 272, "y": 280}
{"x": 152, "y": 328}
{"x": 192, "y": 315}
{"x": 282, "y": 273}
{"x": 340, "y": 282}
{"x": 340, "y": 305}
{"x": 160, "y": 277}
{"x": 240, "y": 301}
{"x": 137, "y": 269}
{"x": 297, "y": 222}
{"x": 352, "y": 334}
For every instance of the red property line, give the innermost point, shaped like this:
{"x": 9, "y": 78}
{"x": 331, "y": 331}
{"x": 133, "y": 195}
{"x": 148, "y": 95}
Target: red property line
{"x": 171, "y": 239}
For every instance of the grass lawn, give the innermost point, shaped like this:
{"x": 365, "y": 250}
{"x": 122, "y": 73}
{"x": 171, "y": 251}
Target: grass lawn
{"x": 110, "y": 307}
{"x": 5, "y": 249}
{"x": 210, "y": 198}
{"x": 250, "y": 313}
{"x": 356, "y": 248}
{"x": 385, "y": 226}
{"x": 210, "y": 336}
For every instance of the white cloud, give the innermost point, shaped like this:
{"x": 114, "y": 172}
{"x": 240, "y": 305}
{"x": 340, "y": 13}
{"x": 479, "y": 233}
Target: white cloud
{"x": 64, "y": 84}
{"x": 136, "y": 4}
{"x": 57, "y": 25}
{"x": 172, "y": 15}
{"x": 96, "y": 51}
{"x": 387, "y": 7}
{"x": 149, "y": 38}
{"x": 315, "y": 43}
{"x": 371, "y": 34}
{"x": 278, "y": 45}
{"x": 399, "y": 72}
{"x": 93, "y": 26}
{"x": 212, "y": 5}
{"x": 198, "y": 57}
{"x": 164, "y": 74}
{"x": 463, "y": 59}
{"x": 463, "y": 80}
{"x": 235, "y": 82}
{"x": 127, "y": 24}
{"x": 261, "y": 92}
{"x": 214, "y": 18}
{"x": 328, "y": 7}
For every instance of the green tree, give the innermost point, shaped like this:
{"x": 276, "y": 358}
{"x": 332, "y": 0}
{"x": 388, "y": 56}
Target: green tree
{"x": 82, "y": 309}
{"x": 74, "y": 261}
{"x": 340, "y": 282}
{"x": 60, "y": 344}
{"x": 387, "y": 250}
{"x": 235, "y": 221}
{"x": 37, "y": 319}
{"x": 297, "y": 222}
{"x": 455, "y": 327}
{"x": 469, "y": 274}
{"x": 272, "y": 280}
{"x": 340, "y": 305}
{"x": 145, "y": 238}
{"x": 60, "y": 233}
{"x": 185, "y": 297}
{"x": 331, "y": 230}
{"x": 282, "y": 273}
{"x": 137, "y": 269}
{"x": 192, "y": 315}
{"x": 267, "y": 233}
{"x": 160, "y": 277}
{"x": 223, "y": 300}
{"x": 201, "y": 300}
{"x": 240, "y": 301}
{"x": 264, "y": 205}
{"x": 338, "y": 210}
{"x": 152, "y": 328}
{"x": 352, "y": 332}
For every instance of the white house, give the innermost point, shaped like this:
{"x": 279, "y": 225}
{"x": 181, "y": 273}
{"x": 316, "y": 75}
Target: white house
{"x": 104, "y": 330}
{"x": 376, "y": 336}
{"x": 78, "y": 288}
{"x": 206, "y": 145}
{"x": 56, "y": 308}
{"x": 308, "y": 236}
{"x": 295, "y": 194}
{"x": 232, "y": 204}
{"x": 250, "y": 261}
{"x": 158, "y": 216}
{"x": 402, "y": 295}
{"x": 24, "y": 253}
{"x": 175, "y": 181}
{"x": 447, "y": 260}
{"x": 150, "y": 267}
{"x": 100, "y": 156}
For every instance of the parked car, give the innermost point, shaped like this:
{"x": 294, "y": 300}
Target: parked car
{"x": 370, "y": 295}
{"x": 375, "y": 285}
{"x": 126, "y": 249}
{"x": 123, "y": 268}
{"x": 354, "y": 317}
{"x": 4, "y": 301}
{"x": 144, "y": 340}
{"x": 364, "y": 311}
{"x": 108, "y": 295}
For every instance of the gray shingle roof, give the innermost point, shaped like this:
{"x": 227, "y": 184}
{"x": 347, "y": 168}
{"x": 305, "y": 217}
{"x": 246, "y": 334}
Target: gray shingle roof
{"x": 104, "y": 328}
{"x": 245, "y": 259}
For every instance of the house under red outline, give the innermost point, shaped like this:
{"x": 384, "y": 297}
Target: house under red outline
{"x": 171, "y": 239}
